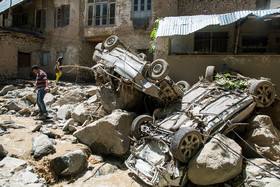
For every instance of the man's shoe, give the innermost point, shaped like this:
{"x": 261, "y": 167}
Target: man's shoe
{"x": 41, "y": 117}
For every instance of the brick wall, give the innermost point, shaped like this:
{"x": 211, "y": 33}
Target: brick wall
{"x": 196, "y": 7}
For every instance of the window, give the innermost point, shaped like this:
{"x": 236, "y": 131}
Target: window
{"x": 141, "y": 9}
{"x": 41, "y": 19}
{"x": 254, "y": 44}
{"x": 101, "y": 12}
{"x": 62, "y": 16}
{"x": 211, "y": 42}
{"x": 46, "y": 58}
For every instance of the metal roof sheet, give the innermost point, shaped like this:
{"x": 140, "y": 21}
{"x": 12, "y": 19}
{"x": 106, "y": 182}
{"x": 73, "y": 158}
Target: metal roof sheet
{"x": 184, "y": 25}
{"x": 5, "y": 4}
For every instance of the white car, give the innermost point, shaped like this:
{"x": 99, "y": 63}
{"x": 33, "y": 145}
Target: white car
{"x": 115, "y": 61}
{"x": 166, "y": 141}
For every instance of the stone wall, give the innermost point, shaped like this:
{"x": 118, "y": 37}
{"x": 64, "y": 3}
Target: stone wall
{"x": 196, "y": 7}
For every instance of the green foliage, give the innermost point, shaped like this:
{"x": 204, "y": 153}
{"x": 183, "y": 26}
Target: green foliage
{"x": 153, "y": 36}
{"x": 227, "y": 81}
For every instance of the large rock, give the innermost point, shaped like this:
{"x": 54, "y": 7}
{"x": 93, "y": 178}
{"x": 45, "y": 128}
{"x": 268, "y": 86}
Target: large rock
{"x": 3, "y": 152}
{"x": 63, "y": 111}
{"x": 41, "y": 146}
{"x": 16, "y": 172}
{"x": 31, "y": 97}
{"x": 79, "y": 114}
{"x": 16, "y": 105}
{"x": 109, "y": 134}
{"x": 216, "y": 163}
{"x": 92, "y": 90}
{"x": 255, "y": 176}
{"x": 262, "y": 136}
{"x": 69, "y": 164}
{"x": 126, "y": 98}
{"x": 6, "y": 89}
{"x": 71, "y": 97}
{"x": 49, "y": 99}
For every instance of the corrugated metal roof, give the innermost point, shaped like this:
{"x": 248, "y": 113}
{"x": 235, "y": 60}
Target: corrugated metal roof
{"x": 5, "y": 4}
{"x": 184, "y": 25}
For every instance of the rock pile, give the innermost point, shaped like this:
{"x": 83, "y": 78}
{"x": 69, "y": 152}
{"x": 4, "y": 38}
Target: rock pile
{"x": 77, "y": 115}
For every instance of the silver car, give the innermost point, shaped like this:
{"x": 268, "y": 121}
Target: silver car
{"x": 115, "y": 61}
{"x": 166, "y": 141}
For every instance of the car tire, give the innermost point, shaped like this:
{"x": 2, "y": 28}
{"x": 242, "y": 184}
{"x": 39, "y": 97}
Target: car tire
{"x": 264, "y": 93}
{"x": 185, "y": 144}
{"x": 99, "y": 47}
{"x": 158, "y": 69}
{"x": 142, "y": 56}
{"x": 183, "y": 85}
{"x": 137, "y": 123}
{"x": 111, "y": 42}
{"x": 209, "y": 73}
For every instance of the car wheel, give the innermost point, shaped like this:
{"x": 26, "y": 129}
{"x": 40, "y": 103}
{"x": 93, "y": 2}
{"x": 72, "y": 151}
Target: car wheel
{"x": 183, "y": 85}
{"x": 185, "y": 144}
{"x": 142, "y": 56}
{"x": 264, "y": 92}
{"x": 111, "y": 42}
{"x": 158, "y": 69}
{"x": 99, "y": 47}
{"x": 209, "y": 73}
{"x": 138, "y": 122}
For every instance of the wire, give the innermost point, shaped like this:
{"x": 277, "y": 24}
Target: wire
{"x": 278, "y": 177}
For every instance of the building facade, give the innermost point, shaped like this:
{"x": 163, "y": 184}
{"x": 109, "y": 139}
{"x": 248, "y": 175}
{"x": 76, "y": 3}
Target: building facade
{"x": 39, "y": 31}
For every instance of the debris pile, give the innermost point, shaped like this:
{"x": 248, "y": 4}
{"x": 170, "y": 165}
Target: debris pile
{"x": 138, "y": 127}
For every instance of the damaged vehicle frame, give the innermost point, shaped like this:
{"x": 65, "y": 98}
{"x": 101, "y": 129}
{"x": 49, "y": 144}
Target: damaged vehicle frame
{"x": 115, "y": 61}
{"x": 166, "y": 141}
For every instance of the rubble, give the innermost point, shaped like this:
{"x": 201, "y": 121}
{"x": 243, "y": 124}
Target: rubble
{"x": 156, "y": 131}
{"x": 221, "y": 157}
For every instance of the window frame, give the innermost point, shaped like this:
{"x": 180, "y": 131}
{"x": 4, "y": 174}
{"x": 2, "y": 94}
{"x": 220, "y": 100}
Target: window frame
{"x": 41, "y": 22}
{"x": 62, "y": 15}
{"x": 105, "y": 19}
{"x": 46, "y": 58}
{"x": 142, "y": 11}
{"x": 211, "y": 42}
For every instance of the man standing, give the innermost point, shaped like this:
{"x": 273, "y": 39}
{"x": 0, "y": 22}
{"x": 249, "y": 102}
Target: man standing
{"x": 41, "y": 88}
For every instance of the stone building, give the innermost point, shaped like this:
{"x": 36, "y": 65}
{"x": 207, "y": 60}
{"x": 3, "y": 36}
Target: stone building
{"x": 244, "y": 41}
{"x": 38, "y": 31}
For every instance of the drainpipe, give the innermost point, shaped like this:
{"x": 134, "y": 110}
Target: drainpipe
{"x": 237, "y": 39}
{"x": 10, "y": 16}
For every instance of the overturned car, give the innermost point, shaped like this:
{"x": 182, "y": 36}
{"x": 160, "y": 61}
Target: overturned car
{"x": 116, "y": 63}
{"x": 165, "y": 142}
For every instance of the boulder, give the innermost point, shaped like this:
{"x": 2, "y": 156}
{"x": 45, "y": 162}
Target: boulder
{"x": 71, "y": 97}
{"x": 31, "y": 97}
{"x": 127, "y": 98}
{"x": 63, "y": 111}
{"x": 6, "y": 89}
{"x": 41, "y": 146}
{"x": 67, "y": 123}
{"x": 69, "y": 164}
{"x": 263, "y": 137}
{"x": 255, "y": 176}
{"x": 16, "y": 172}
{"x": 92, "y": 91}
{"x": 10, "y": 95}
{"x": 3, "y": 152}
{"x": 216, "y": 162}
{"x": 79, "y": 114}
{"x": 49, "y": 99}
{"x": 24, "y": 111}
{"x": 108, "y": 135}
{"x": 16, "y": 105}
{"x": 92, "y": 99}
